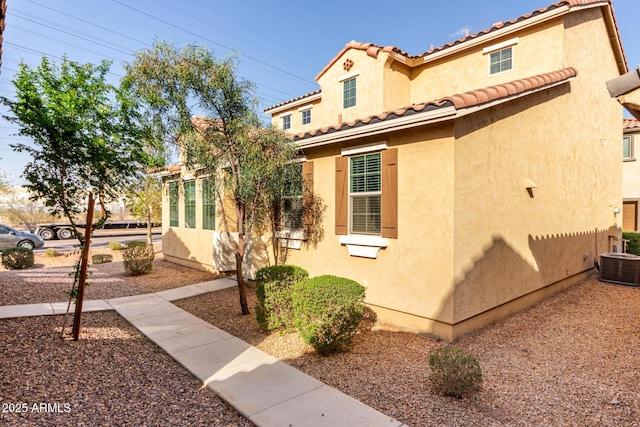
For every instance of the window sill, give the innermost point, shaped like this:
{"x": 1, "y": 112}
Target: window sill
{"x": 629, "y": 159}
{"x": 291, "y": 239}
{"x": 364, "y": 246}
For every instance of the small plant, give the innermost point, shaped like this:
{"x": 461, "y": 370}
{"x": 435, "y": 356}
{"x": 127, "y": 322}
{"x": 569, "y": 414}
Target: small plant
{"x": 115, "y": 246}
{"x": 17, "y": 258}
{"x": 274, "y": 287}
{"x": 327, "y": 311}
{"x": 138, "y": 259}
{"x": 101, "y": 258}
{"x": 633, "y": 245}
{"x": 51, "y": 253}
{"x": 454, "y": 372}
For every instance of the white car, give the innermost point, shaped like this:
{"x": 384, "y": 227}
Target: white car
{"x": 12, "y": 238}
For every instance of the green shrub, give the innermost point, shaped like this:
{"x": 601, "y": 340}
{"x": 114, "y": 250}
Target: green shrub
{"x": 51, "y": 253}
{"x": 116, "y": 246}
{"x": 327, "y": 311}
{"x": 274, "y": 286}
{"x": 454, "y": 372}
{"x": 633, "y": 246}
{"x": 138, "y": 259}
{"x": 101, "y": 258}
{"x": 17, "y": 258}
{"x": 133, "y": 243}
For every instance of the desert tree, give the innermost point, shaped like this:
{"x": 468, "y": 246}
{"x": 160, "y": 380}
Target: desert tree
{"x": 85, "y": 139}
{"x": 227, "y": 140}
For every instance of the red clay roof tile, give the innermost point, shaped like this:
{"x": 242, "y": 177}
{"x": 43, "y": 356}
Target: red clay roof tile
{"x": 628, "y": 123}
{"x": 459, "y": 101}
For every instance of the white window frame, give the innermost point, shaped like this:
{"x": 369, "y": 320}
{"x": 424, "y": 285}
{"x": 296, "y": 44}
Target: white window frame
{"x": 631, "y": 147}
{"x": 496, "y": 48}
{"x": 282, "y": 117}
{"x": 364, "y": 194}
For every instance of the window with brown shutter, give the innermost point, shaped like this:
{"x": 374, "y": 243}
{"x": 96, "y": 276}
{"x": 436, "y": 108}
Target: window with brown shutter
{"x": 367, "y": 194}
{"x": 390, "y": 193}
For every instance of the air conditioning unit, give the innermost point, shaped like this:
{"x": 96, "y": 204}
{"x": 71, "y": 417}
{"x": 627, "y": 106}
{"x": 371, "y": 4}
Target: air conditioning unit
{"x": 620, "y": 268}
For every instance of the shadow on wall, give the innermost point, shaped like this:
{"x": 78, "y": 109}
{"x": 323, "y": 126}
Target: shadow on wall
{"x": 501, "y": 274}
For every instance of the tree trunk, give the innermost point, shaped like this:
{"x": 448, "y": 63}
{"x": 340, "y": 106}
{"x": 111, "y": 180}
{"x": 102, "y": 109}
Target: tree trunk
{"x": 242, "y": 286}
{"x": 149, "y": 235}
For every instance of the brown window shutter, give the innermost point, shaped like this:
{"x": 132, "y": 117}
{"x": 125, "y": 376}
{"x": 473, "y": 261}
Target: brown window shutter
{"x": 390, "y": 193}
{"x": 308, "y": 199}
{"x": 277, "y": 214}
{"x": 307, "y": 176}
{"x": 342, "y": 194}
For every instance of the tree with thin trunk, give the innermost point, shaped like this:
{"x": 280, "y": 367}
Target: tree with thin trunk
{"x": 228, "y": 141}
{"x": 85, "y": 135}
{"x": 144, "y": 200}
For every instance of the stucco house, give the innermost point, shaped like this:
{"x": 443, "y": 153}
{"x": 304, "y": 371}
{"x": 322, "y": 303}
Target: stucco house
{"x": 461, "y": 184}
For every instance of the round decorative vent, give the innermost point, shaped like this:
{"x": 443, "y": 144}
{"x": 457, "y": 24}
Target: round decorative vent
{"x": 347, "y": 64}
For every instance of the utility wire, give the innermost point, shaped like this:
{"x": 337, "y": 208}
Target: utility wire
{"x": 214, "y": 42}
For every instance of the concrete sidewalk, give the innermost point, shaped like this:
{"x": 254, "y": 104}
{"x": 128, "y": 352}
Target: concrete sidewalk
{"x": 264, "y": 389}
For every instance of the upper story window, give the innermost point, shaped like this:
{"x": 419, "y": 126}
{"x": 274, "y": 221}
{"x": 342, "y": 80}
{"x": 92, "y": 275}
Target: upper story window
{"x": 190, "y": 204}
{"x": 286, "y": 122}
{"x": 349, "y": 93}
{"x": 627, "y": 148}
{"x": 501, "y": 56}
{"x": 501, "y": 61}
{"x": 173, "y": 204}
{"x": 306, "y": 117}
{"x": 365, "y": 190}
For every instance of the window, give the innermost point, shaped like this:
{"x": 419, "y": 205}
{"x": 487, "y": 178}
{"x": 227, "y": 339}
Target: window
{"x": 501, "y": 61}
{"x": 286, "y": 122}
{"x": 627, "y": 148}
{"x": 190, "y": 204}
{"x": 291, "y": 205}
{"x": 208, "y": 204}
{"x": 349, "y": 93}
{"x": 306, "y": 117}
{"x": 173, "y": 204}
{"x": 365, "y": 190}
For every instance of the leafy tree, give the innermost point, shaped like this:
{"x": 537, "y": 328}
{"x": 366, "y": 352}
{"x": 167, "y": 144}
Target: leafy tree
{"x": 144, "y": 200}
{"x": 230, "y": 142}
{"x": 84, "y": 131}
{"x": 86, "y": 140}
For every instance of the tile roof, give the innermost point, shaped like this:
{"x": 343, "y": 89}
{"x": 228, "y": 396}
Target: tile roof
{"x": 628, "y": 123}
{"x": 458, "y": 101}
{"x": 374, "y": 50}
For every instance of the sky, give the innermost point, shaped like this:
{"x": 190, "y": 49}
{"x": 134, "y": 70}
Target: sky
{"x": 279, "y": 45}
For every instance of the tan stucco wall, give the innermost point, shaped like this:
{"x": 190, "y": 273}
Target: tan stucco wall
{"x": 538, "y": 51}
{"x": 413, "y": 274}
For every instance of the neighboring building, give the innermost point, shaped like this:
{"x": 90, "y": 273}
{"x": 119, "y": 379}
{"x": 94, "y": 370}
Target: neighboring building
{"x": 462, "y": 184}
{"x": 630, "y": 174}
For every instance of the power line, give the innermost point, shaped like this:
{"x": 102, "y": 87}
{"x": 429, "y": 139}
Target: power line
{"x": 213, "y": 42}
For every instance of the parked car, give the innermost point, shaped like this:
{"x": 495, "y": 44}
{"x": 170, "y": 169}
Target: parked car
{"x": 11, "y": 238}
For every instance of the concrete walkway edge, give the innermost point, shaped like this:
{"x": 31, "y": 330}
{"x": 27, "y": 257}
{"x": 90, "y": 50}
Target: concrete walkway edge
{"x": 264, "y": 389}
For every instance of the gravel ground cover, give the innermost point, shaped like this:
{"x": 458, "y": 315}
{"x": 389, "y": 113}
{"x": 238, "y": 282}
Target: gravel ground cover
{"x": 572, "y": 359}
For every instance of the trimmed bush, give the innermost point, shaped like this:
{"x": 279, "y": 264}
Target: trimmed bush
{"x": 633, "y": 246}
{"x": 327, "y": 311}
{"x": 51, "y": 253}
{"x": 17, "y": 258}
{"x": 101, "y": 258}
{"x": 274, "y": 286}
{"x": 454, "y": 372}
{"x": 116, "y": 246}
{"x": 138, "y": 259}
